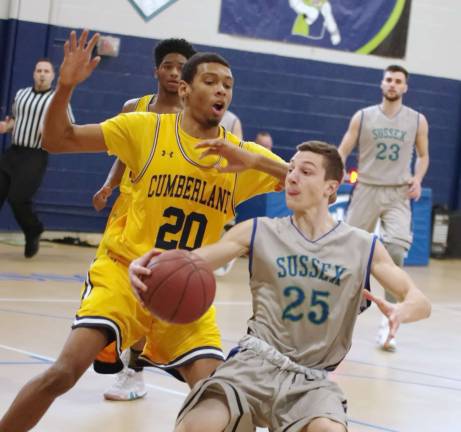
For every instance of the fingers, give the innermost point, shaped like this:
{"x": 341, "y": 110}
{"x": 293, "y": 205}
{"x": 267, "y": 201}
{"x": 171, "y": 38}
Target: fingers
{"x": 136, "y": 276}
{"x": 212, "y": 143}
{"x": 92, "y": 43}
{"x": 394, "y": 325}
{"x": 66, "y": 48}
{"x": 383, "y": 305}
{"x": 73, "y": 41}
{"x": 369, "y": 296}
{"x": 83, "y": 38}
{"x": 94, "y": 62}
{"x": 208, "y": 152}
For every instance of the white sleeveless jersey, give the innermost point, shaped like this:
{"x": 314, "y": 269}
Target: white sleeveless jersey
{"x": 307, "y": 294}
{"x": 386, "y": 146}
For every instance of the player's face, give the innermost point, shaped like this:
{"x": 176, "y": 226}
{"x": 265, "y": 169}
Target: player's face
{"x": 394, "y": 85}
{"x": 305, "y": 184}
{"x": 43, "y": 76}
{"x": 169, "y": 72}
{"x": 209, "y": 94}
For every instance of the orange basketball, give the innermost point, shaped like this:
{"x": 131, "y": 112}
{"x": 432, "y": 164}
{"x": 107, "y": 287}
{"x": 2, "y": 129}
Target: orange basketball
{"x": 181, "y": 286}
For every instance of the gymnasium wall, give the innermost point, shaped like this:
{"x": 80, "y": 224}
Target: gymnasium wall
{"x": 306, "y": 93}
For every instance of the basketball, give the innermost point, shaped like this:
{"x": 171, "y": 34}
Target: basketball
{"x": 181, "y": 287}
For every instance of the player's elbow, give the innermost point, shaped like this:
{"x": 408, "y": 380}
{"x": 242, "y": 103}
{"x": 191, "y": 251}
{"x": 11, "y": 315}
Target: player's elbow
{"x": 51, "y": 145}
{"x": 55, "y": 143}
{"x": 427, "y": 308}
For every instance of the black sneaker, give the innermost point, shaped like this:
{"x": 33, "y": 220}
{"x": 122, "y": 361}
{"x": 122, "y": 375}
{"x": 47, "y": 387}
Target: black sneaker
{"x": 32, "y": 245}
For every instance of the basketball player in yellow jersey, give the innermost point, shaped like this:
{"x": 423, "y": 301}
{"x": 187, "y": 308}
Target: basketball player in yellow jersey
{"x": 170, "y": 55}
{"x": 178, "y": 200}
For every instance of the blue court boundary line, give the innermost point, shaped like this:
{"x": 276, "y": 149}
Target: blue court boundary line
{"x": 398, "y": 381}
{"x": 235, "y": 343}
{"x": 44, "y": 361}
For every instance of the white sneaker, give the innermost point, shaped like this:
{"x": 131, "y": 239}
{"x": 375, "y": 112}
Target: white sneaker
{"x": 383, "y": 332}
{"x": 129, "y": 384}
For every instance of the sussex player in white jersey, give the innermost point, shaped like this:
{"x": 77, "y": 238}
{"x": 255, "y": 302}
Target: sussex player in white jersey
{"x": 386, "y": 136}
{"x": 308, "y": 274}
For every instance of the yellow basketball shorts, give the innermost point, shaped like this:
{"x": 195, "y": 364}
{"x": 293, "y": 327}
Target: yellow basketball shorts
{"x": 119, "y": 209}
{"x": 107, "y": 302}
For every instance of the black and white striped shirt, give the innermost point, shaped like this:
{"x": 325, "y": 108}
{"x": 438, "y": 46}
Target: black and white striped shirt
{"x": 29, "y": 109}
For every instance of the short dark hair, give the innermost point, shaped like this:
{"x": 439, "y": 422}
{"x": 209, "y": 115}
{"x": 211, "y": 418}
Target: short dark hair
{"x": 397, "y": 68}
{"x": 172, "y": 45}
{"x": 190, "y": 68}
{"x": 44, "y": 59}
{"x": 332, "y": 162}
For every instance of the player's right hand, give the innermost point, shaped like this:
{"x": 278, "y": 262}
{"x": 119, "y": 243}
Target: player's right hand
{"x": 100, "y": 198}
{"x": 137, "y": 269}
{"x": 78, "y": 64}
{"x": 390, "y": 310}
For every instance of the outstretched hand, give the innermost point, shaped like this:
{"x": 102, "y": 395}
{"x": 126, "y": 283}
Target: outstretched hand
{"x": 237, "y": 158}
{"x": 390, "y": 310}
{"x": 138, "y": 269}
{"x": 78, "y": 63}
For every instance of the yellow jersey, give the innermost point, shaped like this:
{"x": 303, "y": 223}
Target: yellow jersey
{"x": 178, "y": 201}
{"x": 142, "y": 105}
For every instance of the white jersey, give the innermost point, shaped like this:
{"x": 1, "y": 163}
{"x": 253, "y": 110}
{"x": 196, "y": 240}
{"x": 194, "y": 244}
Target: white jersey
{"x": 307, "y": 294}
{"x": 386, "y": 146}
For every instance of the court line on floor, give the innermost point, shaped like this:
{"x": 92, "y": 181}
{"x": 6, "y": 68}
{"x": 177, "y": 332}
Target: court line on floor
{"x": 35, "y": 300}
{"x": 47, "y": 360}
{"x": 435, "y": 306}
{"x": 394, "y": 380}
{"x": 234, "y": 342}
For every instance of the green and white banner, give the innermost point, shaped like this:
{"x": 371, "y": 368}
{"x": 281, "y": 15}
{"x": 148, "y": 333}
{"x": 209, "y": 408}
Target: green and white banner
{"x": 377, "y": 27}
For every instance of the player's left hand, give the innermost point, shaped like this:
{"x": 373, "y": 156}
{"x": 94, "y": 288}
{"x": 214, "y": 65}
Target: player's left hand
{"x": 237, "y": 158}
{"x": 390, "y": 310}
{"x": 137, "y": 269}
{"x": 414, "y": 191}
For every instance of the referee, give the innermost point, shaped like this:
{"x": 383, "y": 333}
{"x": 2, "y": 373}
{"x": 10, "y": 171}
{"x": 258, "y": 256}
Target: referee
{"x": 23, "y": 165}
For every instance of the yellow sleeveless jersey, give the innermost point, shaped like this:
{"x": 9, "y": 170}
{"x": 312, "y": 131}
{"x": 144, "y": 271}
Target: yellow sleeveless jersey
{"x": 141, "y": 106}
{"x": 121, "y": 204}
{"x": 177, "y": 200}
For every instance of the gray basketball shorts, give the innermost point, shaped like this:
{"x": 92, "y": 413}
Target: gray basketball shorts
{"x": 269, "y": 392}
{"x": 387, "y": 204}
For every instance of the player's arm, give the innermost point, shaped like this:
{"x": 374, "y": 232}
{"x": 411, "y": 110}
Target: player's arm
{"x": 234, "y": 243}
{"x": 112, "y": 181}
{"x": 422, "y": 159}
{"x": 59, "y": 134}
{"x": 413, "y": 306}
{"x": 239, "y": 159}
{"x": 351, "y": 137}
{"x": 114, "y": 177}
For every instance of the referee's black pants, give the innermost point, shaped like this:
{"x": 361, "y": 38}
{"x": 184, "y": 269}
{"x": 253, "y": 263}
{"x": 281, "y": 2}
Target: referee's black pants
{"x": 21, "y": 173}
